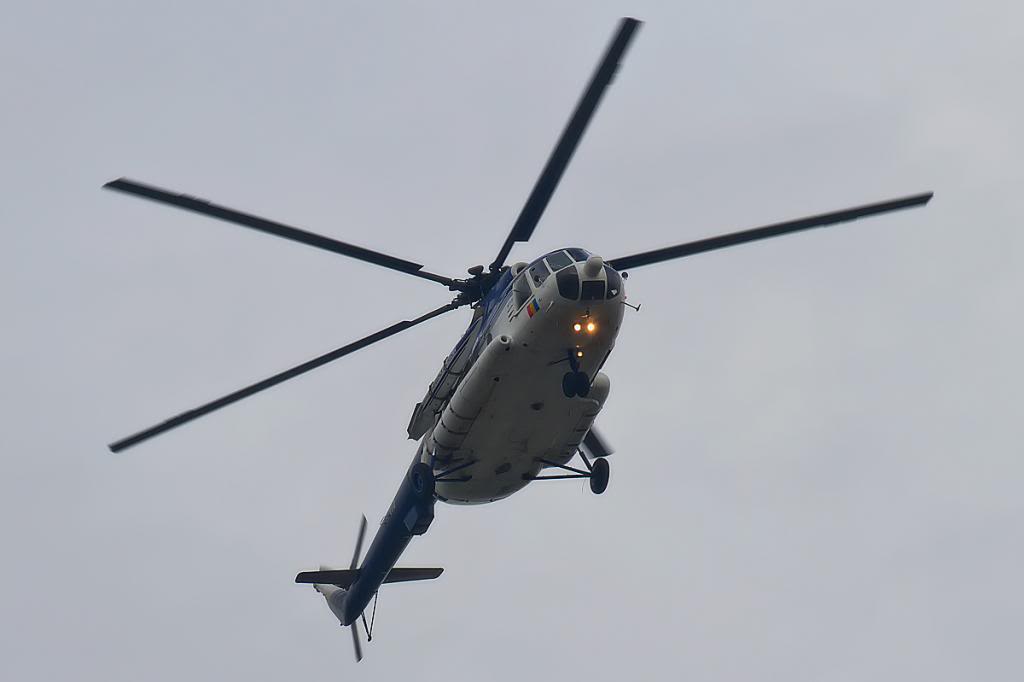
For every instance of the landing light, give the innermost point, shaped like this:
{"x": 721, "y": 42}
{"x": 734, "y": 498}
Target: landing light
{"x": 577, "y": 327}
{"x": 579, "y": 354}
{"x": 591, "y": 327}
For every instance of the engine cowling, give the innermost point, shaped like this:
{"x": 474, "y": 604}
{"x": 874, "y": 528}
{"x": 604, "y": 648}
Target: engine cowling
{"x": 471, "y": 396}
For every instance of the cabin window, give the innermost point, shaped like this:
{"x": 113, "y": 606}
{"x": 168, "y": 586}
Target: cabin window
{"x": 569, "y": 283}
{"x": 538, "y": 273}
{"x": 593, "y": 290}
{"x": 521, "y": 292}
{"x": 614, "y": 281}
{"x": 558, "y": 260}
{"x": 579, "y": 255}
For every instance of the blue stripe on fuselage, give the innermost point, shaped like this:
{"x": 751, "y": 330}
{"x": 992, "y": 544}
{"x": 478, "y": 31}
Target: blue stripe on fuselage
{"x": 493, "y": 303}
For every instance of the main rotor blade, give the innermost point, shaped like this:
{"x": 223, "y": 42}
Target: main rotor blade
{"x": 209, "y": 407}
{"x": 359, "y": 543}
{"x": 734, "y": 238}
{"x": 546, "y": 184}
{"x": 204, "y": 207}
{"x": 595, "y": 444}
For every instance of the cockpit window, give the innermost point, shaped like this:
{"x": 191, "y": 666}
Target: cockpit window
{"x": 521, "y": 292}
{"x": 558, "y": 260}
{"x": 579, "y": 255}
{"x": 593, "y": 290}
{"x": 614, "y": 281}
{"x": 569, "y": 283}
{"x": 538, "y": 273}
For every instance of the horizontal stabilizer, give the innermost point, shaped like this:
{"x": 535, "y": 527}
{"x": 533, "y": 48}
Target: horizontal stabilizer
{"x": 401, "y": 575}
{"x": 344, "y": 578}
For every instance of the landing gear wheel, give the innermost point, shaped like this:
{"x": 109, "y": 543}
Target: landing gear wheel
{"x": 422, "y": 478}
{"x": 569, "y": 384}
{"x": 582, "y": 384}
{"x": 599, "y": 473}
{"x": 575, "y": 383}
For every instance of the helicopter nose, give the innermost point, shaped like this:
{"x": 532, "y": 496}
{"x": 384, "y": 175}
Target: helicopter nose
{"x": 589, "y": 281}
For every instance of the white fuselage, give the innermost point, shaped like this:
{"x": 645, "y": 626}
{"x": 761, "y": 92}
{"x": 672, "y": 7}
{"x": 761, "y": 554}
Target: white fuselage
{"x": 509, "y": 410}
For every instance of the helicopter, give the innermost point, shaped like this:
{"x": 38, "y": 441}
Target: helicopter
{"x": 516, "y": 399}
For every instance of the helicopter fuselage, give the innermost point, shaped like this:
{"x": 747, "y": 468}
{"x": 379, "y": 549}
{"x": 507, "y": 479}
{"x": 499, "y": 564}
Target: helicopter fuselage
{"x": 517, "y": 394}
{"x": 523, "y": 386}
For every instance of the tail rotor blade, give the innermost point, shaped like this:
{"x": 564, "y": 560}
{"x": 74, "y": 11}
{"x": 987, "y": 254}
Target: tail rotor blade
{"x": 356, "y": 644}
{"x": 359, "y": 544}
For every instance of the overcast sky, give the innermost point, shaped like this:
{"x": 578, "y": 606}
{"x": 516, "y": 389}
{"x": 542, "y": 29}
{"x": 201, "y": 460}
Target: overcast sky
{"x": 819, "y": 466}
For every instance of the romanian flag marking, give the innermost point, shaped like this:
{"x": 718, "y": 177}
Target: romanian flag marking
{"x": 532, "y": 308}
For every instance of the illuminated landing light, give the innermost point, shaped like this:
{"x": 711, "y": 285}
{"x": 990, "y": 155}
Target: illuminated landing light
{"x": 579, "y": 354}
{"x": 591, "y": 327}
{"x": 577, "y": 327}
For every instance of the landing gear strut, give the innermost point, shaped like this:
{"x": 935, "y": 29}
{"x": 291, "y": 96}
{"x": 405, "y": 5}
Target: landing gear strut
{"x": 597, "y": 472}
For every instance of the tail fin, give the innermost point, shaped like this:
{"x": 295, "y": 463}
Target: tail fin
{"x": 326, "y": 589}
{"x": 334, "y": 585}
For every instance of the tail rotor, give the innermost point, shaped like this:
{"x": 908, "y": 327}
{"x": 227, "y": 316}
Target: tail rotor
{"x": 354, "y": 627}
{"x": 340, "y": 586}
{"x": 359, "y": 544}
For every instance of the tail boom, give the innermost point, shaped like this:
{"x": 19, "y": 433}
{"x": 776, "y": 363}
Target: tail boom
{"x": 349, "y": 591}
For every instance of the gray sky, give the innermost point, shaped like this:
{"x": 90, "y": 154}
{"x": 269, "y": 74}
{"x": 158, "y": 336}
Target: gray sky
{"x": 819, "y": 466}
